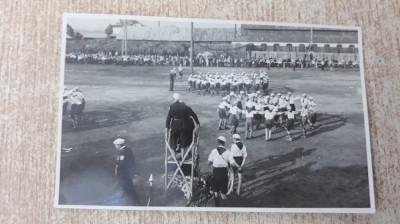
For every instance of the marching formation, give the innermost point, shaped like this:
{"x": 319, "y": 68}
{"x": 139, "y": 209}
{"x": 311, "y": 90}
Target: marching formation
{"x": 214, "y": 84}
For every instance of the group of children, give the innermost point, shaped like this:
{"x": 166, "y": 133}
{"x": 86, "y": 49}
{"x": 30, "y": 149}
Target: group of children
{"x": 274, "y": 110}
{"x": 214, "y": 84}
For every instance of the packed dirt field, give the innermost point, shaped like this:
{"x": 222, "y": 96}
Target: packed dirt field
{"x": 327, "y": 169}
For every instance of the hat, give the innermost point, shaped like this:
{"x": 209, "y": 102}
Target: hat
{"x": 236, "y": 136}
{"x": 311, "y": 98}
{"x": 176, "y": 96}
{"x": 289, "y": 93}
{"x": 222, "y": 138}
{"x": 279, "y": 94}
{"x": 258, "y": 91}
{"x": 241, "y": 91}
{"x": 119, "y": 141}
{"x": 304, "y": 94}
{"x": 232, "y": 93}
{"x": 272, "y": 94}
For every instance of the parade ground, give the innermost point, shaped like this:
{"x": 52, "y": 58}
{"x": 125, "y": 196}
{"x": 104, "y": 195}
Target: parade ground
{"x": 328, "y": 169}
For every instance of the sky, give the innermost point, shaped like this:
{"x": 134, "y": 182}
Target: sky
{"x": 101, "y": 24}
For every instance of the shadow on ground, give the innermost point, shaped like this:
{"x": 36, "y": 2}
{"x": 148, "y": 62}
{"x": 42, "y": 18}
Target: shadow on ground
{"x": 276, "y": 182}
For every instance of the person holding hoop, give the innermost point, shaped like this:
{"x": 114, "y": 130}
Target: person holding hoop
{"x": 220, "y": 158}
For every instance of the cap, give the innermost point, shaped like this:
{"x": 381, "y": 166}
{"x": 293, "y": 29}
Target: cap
{"x": 119, "y": 141}
{"x": 279, "y": 94}
{"x": 241, "y": 91}
{"x": 304, "y": 94}
{"x": 311, "y": 98}
{"x": 258, "y": 91}
{"x": 222, "y": 138}
{"x": 289, "y": 93}
{"x": 176, "y": 96}
{"x": 232, "y": 93}
{"x": 236, "y": 136}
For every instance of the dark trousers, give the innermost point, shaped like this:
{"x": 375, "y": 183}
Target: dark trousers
{"x": 177, "y": 137}
{"x": 171, "y": 85}
{"x": 125, "y": 183}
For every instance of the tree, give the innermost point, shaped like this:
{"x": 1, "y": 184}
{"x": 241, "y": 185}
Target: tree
{"x": 78, "y": 36}
{"x": 109, "y": 30}
{"x": 70, "y": 31}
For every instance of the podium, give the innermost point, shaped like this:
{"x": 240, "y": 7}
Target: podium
{"x": 189, "y": 158}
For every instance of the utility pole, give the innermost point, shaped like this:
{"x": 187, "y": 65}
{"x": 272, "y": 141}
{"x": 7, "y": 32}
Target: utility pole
{"x": 191, "y": 46}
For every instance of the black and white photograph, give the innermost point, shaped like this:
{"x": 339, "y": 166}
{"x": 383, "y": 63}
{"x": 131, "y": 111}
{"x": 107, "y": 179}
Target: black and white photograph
{"x": 160, "y": 113}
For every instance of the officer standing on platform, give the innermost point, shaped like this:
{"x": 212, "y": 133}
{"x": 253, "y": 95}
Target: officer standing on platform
{"x": 178, "y": 120}
{"x": 172, "y": 76}
{"x": 124, "y": 169}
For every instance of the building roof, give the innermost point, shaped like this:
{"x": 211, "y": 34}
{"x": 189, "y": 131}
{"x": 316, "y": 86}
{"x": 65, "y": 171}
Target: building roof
{"x": 246, "y": 33}
{"x": 92, "y": 34}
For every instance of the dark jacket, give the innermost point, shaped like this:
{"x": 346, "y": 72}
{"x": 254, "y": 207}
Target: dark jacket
{"x": 126, "y": 165}
{"x": 181, "y": 113}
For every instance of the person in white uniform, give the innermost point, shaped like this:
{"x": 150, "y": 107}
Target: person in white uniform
{"x": 239, "y": 154}
{"x": 220, "y": 158}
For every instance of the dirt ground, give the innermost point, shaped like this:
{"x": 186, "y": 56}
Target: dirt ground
{"x": 328, "y": 169}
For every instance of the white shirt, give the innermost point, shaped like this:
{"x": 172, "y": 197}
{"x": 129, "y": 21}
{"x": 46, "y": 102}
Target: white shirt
{"x": 312, "y": 106}
{"x": 290, "y": 114}
{"x": 303, "y": 112}
{"x": 269, "y": 115}
{"x": 234, "y": 110}
{"x": 249, "y": 114}
{"x": 223, "y": 105}
{"x": 220, "y": 160}
{"x": 303, "y": 102}
{"x": 236, "y": 152}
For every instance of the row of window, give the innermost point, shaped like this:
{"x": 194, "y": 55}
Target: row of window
{"x": 303, "y": 48}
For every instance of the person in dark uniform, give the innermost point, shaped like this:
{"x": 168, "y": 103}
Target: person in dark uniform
{"x": 172, "y": 76}
{"x": 180, "y": 123}
{"x": 124, "y": 169}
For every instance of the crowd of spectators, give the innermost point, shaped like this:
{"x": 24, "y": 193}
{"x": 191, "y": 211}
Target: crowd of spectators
{"x": 207, "y": 61}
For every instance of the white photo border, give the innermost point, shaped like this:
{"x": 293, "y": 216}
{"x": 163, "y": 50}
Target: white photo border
{"x": 372, "y": 208}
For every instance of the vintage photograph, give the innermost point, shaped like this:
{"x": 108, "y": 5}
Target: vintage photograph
{"x": 164, "y": 113}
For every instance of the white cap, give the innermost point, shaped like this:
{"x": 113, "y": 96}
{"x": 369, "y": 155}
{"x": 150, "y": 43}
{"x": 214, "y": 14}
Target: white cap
{"x": 311, "y": 98}
{"x": 304, "y": 94}
{"x": 241, "y": 91}
{"x": 176, "y": 96}
{"x": 236, "y": 136}
{"x": 119, "y": 141}
{"x": 232, "y": 93}
{"x": 258, "y": 91}
{"x": 222, "y": 138}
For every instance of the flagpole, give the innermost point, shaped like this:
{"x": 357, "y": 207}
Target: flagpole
{"x": 191, "y": 47}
